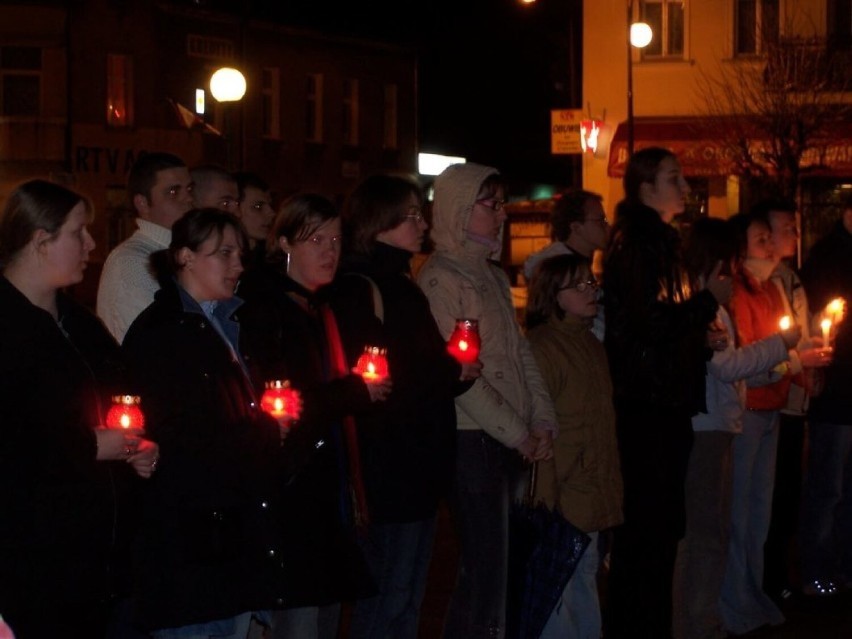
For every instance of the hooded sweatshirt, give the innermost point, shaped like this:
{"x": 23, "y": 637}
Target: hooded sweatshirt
{"x": 461, "y": 280}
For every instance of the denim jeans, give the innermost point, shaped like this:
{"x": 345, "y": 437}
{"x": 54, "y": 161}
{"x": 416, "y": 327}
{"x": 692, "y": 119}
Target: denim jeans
{"x": 577, "y": 614}
{"x": 703, "y": 552}
{"x": 398, "y": 556}
{"x": 486, "y": 481}
{"x": 826, "y": 528}
{"x": 744, "y": 604}
{"x": 236, "y": 627}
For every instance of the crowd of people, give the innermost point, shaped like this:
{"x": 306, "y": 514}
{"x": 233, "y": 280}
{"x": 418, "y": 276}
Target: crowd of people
{"x": 659, "y": 403}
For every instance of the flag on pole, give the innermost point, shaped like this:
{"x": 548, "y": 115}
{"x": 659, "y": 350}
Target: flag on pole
{"x": 190, "y": 120}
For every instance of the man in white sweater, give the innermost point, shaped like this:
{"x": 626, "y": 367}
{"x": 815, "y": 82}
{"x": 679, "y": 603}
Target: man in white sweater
{"x": 160, "y": 189}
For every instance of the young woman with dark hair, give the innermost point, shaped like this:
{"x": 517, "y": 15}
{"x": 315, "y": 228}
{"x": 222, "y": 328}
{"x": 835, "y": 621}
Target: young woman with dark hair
{"x": 62, "y": 472}
{"x": 290, "y": 332}
{"x": 208, "y": 554}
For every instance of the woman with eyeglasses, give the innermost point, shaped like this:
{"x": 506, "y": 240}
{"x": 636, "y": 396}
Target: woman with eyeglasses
{"x": 507, "y": 416}
{"x": 583, "y": 480}
{"x": 408, "y": 443}
{"x": 656, "y": 339}
{"x": 291, "y": 333}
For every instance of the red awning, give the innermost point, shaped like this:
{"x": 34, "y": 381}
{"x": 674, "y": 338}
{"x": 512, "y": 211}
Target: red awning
{"x": 700, "y": 147}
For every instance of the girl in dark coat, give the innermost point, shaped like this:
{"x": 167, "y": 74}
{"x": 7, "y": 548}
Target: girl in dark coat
{"x": 290, "y": 333}
{"x": 59, "y": 470}
{"x": 209, "y": 557}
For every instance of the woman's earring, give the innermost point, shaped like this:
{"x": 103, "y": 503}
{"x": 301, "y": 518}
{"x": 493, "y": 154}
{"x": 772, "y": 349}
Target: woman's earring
{"x": 288, "y": 263}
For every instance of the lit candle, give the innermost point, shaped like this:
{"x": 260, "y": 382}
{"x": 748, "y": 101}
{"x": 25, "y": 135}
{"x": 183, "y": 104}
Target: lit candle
{"x": 835, "y": 309}
{"x": 826, "y": 332}
{"x": 125, "y": 413}
{"x": 464, "y": 343}
{"x": 785, "y": 322}
{"x": 373, "y": 365}
{"x": 281, "y": 401}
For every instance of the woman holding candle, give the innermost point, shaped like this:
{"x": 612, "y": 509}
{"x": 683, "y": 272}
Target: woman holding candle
{"x": 656, "y": 341}
{"x": 208, "y": 556}
{"x": 702, "y": 554}
{"x": 507, "y": 415}
{"x": 407, "y": 444}
{"x": 756, "y": 309}
{"x": 583, "y": 480}
{"x": 291, "y": 333}
{"x": 59, "y": 366}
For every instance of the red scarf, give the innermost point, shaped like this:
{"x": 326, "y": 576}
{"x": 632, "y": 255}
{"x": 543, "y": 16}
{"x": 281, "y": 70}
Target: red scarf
{"x": 340, "y": 368}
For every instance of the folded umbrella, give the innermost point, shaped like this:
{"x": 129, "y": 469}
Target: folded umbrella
{"x": 544, "y": 549}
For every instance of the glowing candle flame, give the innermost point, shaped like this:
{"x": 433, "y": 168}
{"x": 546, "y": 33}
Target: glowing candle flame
{"x": 784, "y": 324}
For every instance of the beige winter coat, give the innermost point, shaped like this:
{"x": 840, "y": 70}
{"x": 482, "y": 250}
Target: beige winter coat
{"x": 460, "y": 282}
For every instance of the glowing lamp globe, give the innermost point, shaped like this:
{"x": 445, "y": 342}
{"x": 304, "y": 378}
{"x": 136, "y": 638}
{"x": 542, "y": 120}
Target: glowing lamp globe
{"x": 464, "y": 343}
{"x": 228, "y": 85}
{"x": 373, "y": 364}
{"x": 641, "y": 34}
{"x": 125, "y": 413}
{"x": 281, "y": 401}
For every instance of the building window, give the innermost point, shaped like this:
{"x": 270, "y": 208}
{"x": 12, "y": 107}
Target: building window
{"x": 119, "y": 106}
{"x": 666, "y": 20}
{"x": 313, "y": 108}
{"x": 20, "y": 81}
{"x": 270, "y": 100}
{"x": 390, "y": 129}
{"x": 350, "y": 112}
{"x": 840, "y": 23}
{"x": 755, "y": 26}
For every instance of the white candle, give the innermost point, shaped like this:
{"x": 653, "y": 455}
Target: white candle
{"x": 826, "y": 331}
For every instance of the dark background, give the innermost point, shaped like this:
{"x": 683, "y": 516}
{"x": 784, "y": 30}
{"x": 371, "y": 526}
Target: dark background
{"x": 489, "y": 72}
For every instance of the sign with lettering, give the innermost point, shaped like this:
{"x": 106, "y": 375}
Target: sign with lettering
{"x": 565, "y": 131}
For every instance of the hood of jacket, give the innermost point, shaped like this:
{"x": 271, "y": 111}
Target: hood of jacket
{"x": 456, "y": 190}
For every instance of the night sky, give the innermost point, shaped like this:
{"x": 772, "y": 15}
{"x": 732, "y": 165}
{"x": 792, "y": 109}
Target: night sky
{"x": 490, "y": 71}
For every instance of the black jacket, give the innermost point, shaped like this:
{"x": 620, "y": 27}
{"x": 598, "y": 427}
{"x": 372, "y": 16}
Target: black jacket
{"x": 408, "y": 443}
{"x": 208, "y": 547}
{"x": 655, "y": 328}
{"x": 58, "y": 505}
{"x": 283, "y": 337}
{"x": 825, "y": 275}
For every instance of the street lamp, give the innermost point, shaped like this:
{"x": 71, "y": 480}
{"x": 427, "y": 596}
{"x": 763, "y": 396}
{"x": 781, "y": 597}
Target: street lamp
{"x": 229, "y": 85}
{"x": 639, "y": 36}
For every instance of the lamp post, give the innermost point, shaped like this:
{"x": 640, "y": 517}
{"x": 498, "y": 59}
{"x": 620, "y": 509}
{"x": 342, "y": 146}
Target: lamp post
{"x": 229, "y": 85}
{"x": 639, "y": 35}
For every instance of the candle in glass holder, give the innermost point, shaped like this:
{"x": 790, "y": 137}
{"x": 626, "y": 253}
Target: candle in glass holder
{"x": 373, "y": 364}
{"x": 464, "y": 343}
{"x": 785, "y": 323}
{"x": 125, "y": 413}
{"x": 826, "y": 331}
{"x": 281, "y": 400}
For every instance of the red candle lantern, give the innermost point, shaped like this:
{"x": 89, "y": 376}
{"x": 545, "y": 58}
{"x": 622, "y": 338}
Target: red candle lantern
{"x": 373, "y": 364}
{"x": 125, "y": 413}
{"x": 464, "y": 343}
{"x": 281, "y": 400}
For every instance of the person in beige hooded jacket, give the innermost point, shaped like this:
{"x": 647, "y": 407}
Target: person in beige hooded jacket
{"x": 507, "y": 416}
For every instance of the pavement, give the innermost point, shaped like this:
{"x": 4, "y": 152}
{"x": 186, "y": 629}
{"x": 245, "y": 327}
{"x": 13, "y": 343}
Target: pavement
{"x": 807, "y": 617}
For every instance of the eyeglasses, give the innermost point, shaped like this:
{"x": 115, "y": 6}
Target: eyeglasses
{"x": 598, "y": 220}
{"x": 492, "y": 203}
{"x": 415, "y": 213}
{"x": 581, "y": 287}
